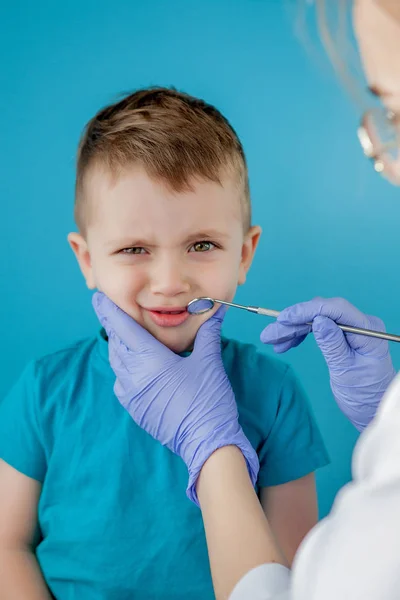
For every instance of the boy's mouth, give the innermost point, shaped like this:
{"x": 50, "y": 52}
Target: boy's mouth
{"x": 172, "y": 317}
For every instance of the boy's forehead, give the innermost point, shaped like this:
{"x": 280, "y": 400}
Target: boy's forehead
{"x": 133, "y": 197}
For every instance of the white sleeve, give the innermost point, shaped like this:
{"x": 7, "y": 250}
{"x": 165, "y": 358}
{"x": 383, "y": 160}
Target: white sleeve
{"x": 354, "y": 553}
{"x": 266, "y": 582}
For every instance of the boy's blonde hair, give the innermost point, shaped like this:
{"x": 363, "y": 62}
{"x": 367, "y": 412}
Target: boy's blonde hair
{"x": 173, "y": 136}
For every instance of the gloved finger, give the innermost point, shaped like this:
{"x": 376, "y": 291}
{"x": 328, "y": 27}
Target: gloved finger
{"x": 115, "y": 320}
{"x": 281, "y": 348}
{"x": 117, "y": 352}
{"x": 336, "y": 309}
{"x": 331, "y": 341}
{"x": 365, "y": 345}
{"x": 101, "y": 315}
{"x": 276, "y": 333}
{"x": 209, "y": 334}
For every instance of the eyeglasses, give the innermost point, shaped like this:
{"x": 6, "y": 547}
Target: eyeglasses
{"x": 379, "y": 135}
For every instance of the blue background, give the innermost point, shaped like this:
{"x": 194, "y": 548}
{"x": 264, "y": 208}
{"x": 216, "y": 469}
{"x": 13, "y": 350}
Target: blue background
{"x": 329, "y": 222}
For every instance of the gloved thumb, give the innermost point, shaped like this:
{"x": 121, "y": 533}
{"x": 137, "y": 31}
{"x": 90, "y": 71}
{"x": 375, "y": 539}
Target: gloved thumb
{"x": 209, "y": 334}
{"x": 331, "y": 341}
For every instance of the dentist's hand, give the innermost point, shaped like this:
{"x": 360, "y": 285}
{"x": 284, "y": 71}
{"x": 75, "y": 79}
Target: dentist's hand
{"x": 187, "y": 404}
{"x": 360, "y": 367}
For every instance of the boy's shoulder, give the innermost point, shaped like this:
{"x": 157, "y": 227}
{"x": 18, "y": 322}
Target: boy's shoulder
{"x": 73, "y": 352}
{"x": 61, "y": 363}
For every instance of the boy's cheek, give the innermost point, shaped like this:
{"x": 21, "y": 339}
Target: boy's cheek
{"x": 124, "y": 290}
{"x": 223, "y": 283}
{"x": 242, "y": 275}
{"x": 119, "y": 289}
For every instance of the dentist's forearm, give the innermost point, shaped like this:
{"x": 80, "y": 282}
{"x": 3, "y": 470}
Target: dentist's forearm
{"x": 238, "y": 535}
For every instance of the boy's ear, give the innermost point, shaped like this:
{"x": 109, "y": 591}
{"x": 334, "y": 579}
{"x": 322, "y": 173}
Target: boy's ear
{"x": 248, "y": 250}
{"x": 81, "y": 251}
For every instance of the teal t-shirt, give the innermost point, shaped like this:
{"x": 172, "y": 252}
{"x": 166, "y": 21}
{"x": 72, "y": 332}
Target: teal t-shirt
{"x": 114, "y": 518}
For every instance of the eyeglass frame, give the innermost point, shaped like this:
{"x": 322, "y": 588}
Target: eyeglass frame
{"x": 376, "y": 155}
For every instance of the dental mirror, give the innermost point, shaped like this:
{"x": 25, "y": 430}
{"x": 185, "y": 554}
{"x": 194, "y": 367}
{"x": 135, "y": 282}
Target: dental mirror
{"x": 199, "y": 306}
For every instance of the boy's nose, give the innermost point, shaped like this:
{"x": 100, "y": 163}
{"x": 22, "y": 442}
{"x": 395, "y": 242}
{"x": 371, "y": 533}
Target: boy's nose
{"x": 169, "y": 279}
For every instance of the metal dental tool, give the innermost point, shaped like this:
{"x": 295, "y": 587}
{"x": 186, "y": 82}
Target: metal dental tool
{"x": 199, "y": 306}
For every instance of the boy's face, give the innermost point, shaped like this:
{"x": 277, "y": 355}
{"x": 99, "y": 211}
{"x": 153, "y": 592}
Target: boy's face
{"x": 151, "y": 250}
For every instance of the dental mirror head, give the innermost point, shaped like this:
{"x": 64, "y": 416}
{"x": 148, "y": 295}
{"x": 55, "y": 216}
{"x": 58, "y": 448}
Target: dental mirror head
{"x": 199, "y": 306}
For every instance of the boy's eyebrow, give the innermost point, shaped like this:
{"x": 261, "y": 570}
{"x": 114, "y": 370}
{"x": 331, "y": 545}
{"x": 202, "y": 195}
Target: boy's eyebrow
{"x": 125, "y": 242}
{"x": 208, "y": 234}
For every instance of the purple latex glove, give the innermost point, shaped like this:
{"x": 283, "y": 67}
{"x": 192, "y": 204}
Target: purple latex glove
{"x": 360, "y": 367}
{"x": 186, "y": 403}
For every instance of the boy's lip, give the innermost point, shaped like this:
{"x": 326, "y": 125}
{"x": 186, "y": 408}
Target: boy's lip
{"x": 168, "y": 316}
{"x": 167, "y": 308}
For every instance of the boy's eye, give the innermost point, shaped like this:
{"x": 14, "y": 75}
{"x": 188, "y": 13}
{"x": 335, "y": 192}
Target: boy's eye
{"x": 134, "y": 250}
{"x": 202, "y": 247}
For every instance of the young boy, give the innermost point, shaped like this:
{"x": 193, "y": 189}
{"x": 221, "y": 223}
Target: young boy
{"x": 91, "y": 507}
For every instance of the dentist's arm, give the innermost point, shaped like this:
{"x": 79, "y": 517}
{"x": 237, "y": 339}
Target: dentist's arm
{"x": 238, "y": 535}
